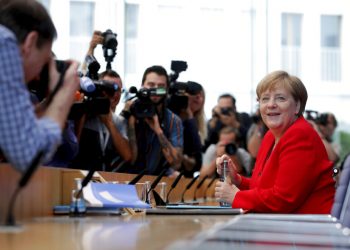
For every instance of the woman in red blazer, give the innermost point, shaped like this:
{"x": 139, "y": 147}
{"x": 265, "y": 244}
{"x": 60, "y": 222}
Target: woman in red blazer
{"x": 292, "y": 173}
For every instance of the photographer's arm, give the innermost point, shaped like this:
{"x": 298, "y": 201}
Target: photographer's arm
{"x": 96, "y": 39}
{"x": 172, "y": 154}
{"x": 59, "y": 108}
{"x": 120, "y": 143}
{"x": 132, "y": 138}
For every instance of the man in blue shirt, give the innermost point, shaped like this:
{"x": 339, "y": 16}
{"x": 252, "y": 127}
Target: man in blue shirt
{"x": 26, "y": 36}
{"x": 156, "y": 140}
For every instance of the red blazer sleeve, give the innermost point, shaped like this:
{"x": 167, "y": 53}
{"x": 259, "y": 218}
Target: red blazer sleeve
{"x": 296, "y": 177}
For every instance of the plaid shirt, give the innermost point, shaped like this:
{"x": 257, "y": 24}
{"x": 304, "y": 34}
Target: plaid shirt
{"x": 22, "y": 135}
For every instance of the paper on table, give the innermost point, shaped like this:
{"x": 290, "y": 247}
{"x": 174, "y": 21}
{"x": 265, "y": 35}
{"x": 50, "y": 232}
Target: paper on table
{"x": 112, "y": 196}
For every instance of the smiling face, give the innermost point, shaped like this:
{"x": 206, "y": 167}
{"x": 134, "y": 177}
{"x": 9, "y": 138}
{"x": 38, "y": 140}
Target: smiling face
{"x": 278, "y": 109}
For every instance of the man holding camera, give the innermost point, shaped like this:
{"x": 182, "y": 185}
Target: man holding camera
{"x": 103, "y": 141}
{"x": 157, "y": 140}
{"x": 227, "y": 144}
{"x": 225, "y": 114}
{"x": 26, "y": 36}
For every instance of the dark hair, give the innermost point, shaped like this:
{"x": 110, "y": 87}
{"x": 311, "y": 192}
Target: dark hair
{"x": 227, "y": 95}
{"x": 323, "y": 119}
{"x": 110, "y": 73}
{"x": 25, "y": 16}
{"x": 159, "y": 70}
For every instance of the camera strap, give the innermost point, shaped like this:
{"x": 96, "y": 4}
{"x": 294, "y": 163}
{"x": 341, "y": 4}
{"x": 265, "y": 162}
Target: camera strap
{"x": 104, "y": 137}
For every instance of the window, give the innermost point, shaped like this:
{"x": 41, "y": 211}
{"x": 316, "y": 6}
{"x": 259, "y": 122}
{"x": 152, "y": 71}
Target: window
{"x": 291, "y": 42}
{"x": 330, "y": 48}
{"x": 81, "y": 28}
{"x": 81, "y": 18}
{"x": 131, "y": 34}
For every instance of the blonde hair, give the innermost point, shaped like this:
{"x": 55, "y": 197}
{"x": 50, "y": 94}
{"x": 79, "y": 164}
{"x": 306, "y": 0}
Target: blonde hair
{"x": 201, "y": 121}
{"x": 291, "y": 83}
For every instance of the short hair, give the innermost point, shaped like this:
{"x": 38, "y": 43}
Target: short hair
{"x": 229, "y": 130}
{"x": 110, "y": 73}
{"x": 227, "y": 95}
{"x": 159, "y": 70}
{"x": 25, "y": 16}
{"x": 282, "y": 79}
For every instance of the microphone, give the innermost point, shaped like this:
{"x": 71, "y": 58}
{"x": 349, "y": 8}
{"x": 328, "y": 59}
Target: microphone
{"x": 210, "y": 183}
{"x": 189, "y": 185}
{"x": 137, "y": 177}
{"x": 10, "y": 219}
{"x": 198, "y": 186}
{"x": 119, "y": 166}
{"x": 159, "y": 201}
{"x": 174, "y": 185}
{"x": 78, "y": 210}
{"x": 87, "y": 85}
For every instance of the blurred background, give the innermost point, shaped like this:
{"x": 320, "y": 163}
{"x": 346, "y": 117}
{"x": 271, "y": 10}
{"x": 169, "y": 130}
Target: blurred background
{"x": 229, "y": 45}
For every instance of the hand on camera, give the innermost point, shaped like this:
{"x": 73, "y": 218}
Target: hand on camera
{"x": 153, "y": 123}
{"x": 96, "y": 39}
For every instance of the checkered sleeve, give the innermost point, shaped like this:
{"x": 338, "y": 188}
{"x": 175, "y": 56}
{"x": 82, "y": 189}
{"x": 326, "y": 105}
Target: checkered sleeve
{"x": 22, "y": 135}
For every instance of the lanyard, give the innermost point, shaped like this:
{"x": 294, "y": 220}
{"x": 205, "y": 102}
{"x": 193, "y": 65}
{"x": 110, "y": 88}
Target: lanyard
{"x": 104, "y": 137}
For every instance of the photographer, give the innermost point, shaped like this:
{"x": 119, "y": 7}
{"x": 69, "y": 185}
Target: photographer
{"x": 193, "y": 121}
{"x": 103, "y": 141}
{"x": 156, "y": 139}
{"x": 26, "y": 36}
{"x": 227, "y": 144}
{"x": 325, "y": 125}
{"x": 225, "y": 114}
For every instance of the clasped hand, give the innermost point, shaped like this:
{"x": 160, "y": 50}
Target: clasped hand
{"x": 227, "y": 190}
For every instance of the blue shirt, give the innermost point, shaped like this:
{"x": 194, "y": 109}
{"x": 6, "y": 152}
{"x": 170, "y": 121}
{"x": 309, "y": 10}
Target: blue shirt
{"x": 22, "y": 134}
{"x": 150, "y": 155}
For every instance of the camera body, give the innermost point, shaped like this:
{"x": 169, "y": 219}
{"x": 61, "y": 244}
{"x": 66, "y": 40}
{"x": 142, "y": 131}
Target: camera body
{"x": 109, "y": 46}
{"x": 231, "y": 149}
{"x": 143, "y": 107}
{"x": 40, "y": 87}
{"x": 177, "y": 90}
{"x": 95, "y": 101}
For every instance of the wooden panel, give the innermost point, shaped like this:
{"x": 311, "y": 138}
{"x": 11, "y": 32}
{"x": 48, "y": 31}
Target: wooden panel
{"x": 42, "y": 192}
{"x": 52, "y": 186}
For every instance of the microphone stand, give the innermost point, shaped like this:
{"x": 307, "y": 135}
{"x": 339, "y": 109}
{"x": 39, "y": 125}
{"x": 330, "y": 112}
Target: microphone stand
{"x": 10, "y": 219}
{"x": 210, "y": 183}
{"x": 137, "y": 177}
{"x": 159, "y": 201}
{"x": 174, "y": 185}
{"x": 198, "y": 186}
{"x": 78, "y": 211}
{"x": 189, "y": 185}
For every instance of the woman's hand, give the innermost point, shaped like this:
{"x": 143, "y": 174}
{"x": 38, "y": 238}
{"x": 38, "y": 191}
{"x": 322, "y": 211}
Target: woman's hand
{"x": 232, "y": 168}
{"x": 225, "y": 191}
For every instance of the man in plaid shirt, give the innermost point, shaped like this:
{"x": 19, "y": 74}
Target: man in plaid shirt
{"x": 26, "y": 36}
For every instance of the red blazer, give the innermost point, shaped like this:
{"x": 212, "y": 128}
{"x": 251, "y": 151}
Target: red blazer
{"x": 295, "y": 178}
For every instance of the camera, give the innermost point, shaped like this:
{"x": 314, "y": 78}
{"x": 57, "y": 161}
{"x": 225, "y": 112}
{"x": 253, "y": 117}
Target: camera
{"x": 95, "y": 101}
{"x": 40, "y": 87}
{"x": 109, "y": 46}
{"x": 231, "y": 149}
{"x": 143, "y": 107}
{"x": 177, "y": 90}
{"x": 311, "y": 115}
{"x": 226, "y": 111}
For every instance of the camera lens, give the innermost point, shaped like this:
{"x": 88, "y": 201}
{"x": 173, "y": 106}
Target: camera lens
{"x": 231, "y": 149}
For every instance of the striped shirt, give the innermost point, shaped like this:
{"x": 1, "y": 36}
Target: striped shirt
{"x": 22, "y": 134}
